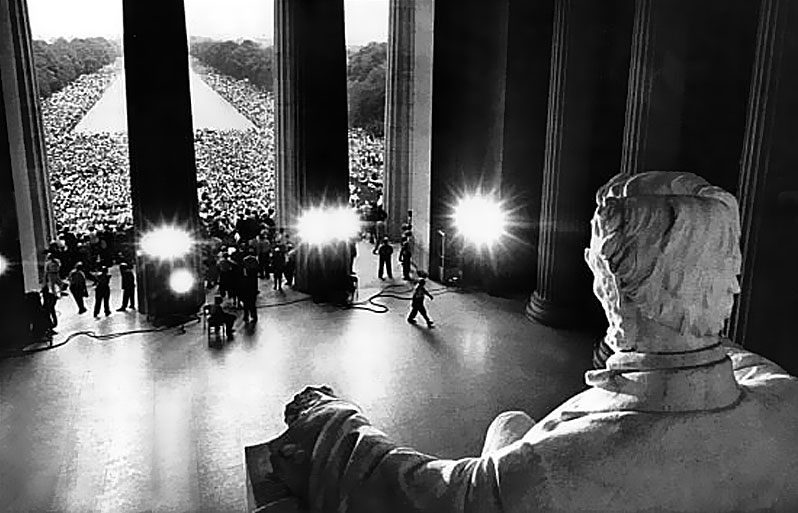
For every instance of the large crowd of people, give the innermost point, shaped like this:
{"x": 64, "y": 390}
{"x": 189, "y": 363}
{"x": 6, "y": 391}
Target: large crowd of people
{"x": 62, "y": 111}
{"x": 235, "y": 169}
{"x": 366, "y": 164}
{"x": 90, "y": 184}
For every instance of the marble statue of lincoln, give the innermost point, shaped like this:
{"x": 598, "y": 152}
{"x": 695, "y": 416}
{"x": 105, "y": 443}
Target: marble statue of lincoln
{"x": 679, "y": 420}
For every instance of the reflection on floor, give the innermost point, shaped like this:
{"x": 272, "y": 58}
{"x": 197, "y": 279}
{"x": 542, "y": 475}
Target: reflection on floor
{"x": 159, "y": 421}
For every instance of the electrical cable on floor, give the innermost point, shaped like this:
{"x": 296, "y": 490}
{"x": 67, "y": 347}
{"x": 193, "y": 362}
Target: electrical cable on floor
{"x": 284, "y": 303}
{"x": 101, "y": 337}
{"x": 368, "y": 305}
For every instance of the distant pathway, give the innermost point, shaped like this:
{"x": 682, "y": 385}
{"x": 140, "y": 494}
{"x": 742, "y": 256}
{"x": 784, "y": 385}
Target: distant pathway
{"x": 208, "y": 110}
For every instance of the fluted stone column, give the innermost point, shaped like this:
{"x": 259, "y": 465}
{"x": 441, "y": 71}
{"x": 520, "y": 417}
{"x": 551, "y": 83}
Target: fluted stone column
{"x": 311, "y": 129}
{"x": 399, "y": 113}
{"x": 529, "y": 34}
{"x": 26, "y": 225}
{"x": 413, "y": 142}
{"x": 311, "y": 106}
{"x": 25, "y": 138}
{"x": 580, "y": 111}
{"x": 688, "y": 85}
{"x": 13, "y": 325}
{"x": 468, "y": 96}
{"x": 163, "y": 174}
{"x": 285, "y": 86}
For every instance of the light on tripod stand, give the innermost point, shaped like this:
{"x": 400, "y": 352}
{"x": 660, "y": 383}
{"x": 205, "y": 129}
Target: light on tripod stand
{"x": 480, "y": 220}
{"x": 166, "y": 243}
{"x": 319, "y": 226}
{"x": 181, "y": 281}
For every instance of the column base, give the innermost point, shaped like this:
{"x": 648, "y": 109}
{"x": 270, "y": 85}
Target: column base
{"x": 549, "y": 313}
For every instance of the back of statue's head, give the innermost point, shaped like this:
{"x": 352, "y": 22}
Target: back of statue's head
{"x": 666, "y": 245}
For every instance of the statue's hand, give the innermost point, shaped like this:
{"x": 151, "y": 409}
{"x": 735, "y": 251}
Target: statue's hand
{"x": 291, "y": 451}
{"x": 290, "y": 461}
{"x": 305, "y": 400}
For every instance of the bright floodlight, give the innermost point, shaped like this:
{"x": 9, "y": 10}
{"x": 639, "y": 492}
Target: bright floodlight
{"x": 346, "y": 223}
{"x": 3, "y": 265}
{"x": 181, "y": 281}
{"x": 318, "y": 226}
{"x": 480, "y": 220}
{"x": 166, "y": 243}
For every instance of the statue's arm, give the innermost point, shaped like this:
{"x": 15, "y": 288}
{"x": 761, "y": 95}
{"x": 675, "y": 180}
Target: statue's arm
{"x": 351, "y": 466}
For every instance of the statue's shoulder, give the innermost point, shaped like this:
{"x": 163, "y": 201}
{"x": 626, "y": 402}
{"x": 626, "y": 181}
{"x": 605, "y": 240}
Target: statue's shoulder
{"x": 752, "y": 368}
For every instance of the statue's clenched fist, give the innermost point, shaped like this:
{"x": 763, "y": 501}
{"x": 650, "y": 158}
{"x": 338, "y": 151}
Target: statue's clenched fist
{"x": 305, "y": 400}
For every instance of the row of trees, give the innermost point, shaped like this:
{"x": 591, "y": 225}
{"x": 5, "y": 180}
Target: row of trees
{"x": 254, "y": 62}
{"x": 60, "y": 62}
{"x": 366, "y": 83}
{"x": 246, "y": 60}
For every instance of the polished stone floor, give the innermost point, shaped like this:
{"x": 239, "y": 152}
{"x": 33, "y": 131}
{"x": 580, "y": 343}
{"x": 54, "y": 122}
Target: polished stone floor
{"x": 159, "y": 421}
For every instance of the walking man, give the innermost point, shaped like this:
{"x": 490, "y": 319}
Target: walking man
{"x": 385, "y": 250}
{"x": 417, "y": 306}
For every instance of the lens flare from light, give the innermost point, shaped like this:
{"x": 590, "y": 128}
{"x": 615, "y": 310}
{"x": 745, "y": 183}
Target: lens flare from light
{"x": 322, "y": 225}
{"x": 346, "y": 223}
{"x": 480, "y": 220}
{"x": 181, "y": 281}
{"x": 166, "y": 243}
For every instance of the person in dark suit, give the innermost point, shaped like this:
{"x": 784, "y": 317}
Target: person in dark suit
{"x": 406, "y": 258}
{"x": 48, "y": 302}
{"x": 77, "y": 286}
{"x": 102, "y": 292}
{"x": 385, "y": 250}
{"x": 128, "y": 286}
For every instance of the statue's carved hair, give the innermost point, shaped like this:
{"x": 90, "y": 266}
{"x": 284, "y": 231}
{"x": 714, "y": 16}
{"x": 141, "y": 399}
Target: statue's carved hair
{"x": 672, "y": 242}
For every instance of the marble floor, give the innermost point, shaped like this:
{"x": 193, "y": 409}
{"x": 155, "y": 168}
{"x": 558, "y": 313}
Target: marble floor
{"x": 158, "y": 421}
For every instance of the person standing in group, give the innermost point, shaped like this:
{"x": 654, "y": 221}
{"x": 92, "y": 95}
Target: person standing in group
{"x": 48, "y": 302}
{"x": 417, "y": 305}
{"x": 249, "y": 288}
{"x": 128, "y": 286}
{"x": 279, "y": 238}
{"x": 226, "y": 274}
{"x": 271, "y": 226}
{"x": 381, "y": 217}
{"x": 250, "y": 264}
{"x": 262, "y": 248}
{"x": 406, "y": 258}
{"x": 52, "y": 274}
{"x": 385, "y": 250}
{"x": 352, "y": 247}
{"x": 290, "y": 265}
{"x": 77, "y": 286}
{"x": 102, "y": 292}
{"x": 278, "y": 266}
